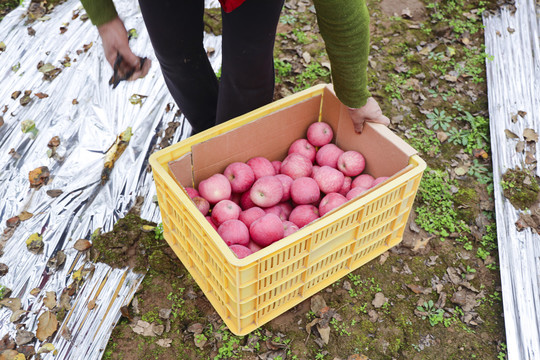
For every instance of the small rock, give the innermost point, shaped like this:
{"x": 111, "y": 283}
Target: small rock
{"x": 196, "y": 328}
{"x": 373, "y": 315}
{"x": 379, "y": 300}
{"x": 158, "y": 329}
{"x": 317, "y": 303}
{"x": 442, "y": 136}
{"x": 413, "y": 227}
{"x": 165, "y": 313}
{"x": 397, "y": 119}
{"x": 346, "y": 285}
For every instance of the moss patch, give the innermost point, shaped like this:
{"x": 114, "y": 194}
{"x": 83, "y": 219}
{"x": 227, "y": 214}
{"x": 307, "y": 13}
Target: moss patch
{"x": 520, "y": 186}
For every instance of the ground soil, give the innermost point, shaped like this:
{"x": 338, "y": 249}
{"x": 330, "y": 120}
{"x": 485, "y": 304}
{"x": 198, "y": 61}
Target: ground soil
{"x": 440, "y": 299}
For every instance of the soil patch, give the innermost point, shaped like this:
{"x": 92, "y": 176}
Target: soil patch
{"x": 412, "y": 9}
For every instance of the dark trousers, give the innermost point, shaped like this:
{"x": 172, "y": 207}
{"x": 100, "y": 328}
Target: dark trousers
{"x": 247, "y": 73}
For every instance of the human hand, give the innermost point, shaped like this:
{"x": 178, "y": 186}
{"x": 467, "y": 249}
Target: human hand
{"x": 370, "y": 112}
{"x": 115, "y": 42}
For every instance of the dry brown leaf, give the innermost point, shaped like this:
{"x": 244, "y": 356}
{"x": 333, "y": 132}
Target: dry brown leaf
{"x": 91, "y": 304}
{"x": 41, "y": 95}
{"x": 25, "y": 215}
{"x": 522, "y": 113}
{"x": 50, "y": 299}
{"x": 74, "y": 101}
{"x": 47, "y": 325}
{"x": 17, "y": 315}
{"x": 530, "y": 158}
{"x": 13, "y": 304}
{"x": 510, "y": 134}
{"x": 514, "y": 118}
{"x": 39, "y": 176}
{"x": 35, "y": 291}
{"x": 54, "y": 193}
{"x": 520, "y": 146}
{"x": 530, "y": 135}
{"x": 54, "y": 142}
{"x": 82, "y": 244}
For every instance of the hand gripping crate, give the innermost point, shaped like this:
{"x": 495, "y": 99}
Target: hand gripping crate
{"x": 249, "y": 292}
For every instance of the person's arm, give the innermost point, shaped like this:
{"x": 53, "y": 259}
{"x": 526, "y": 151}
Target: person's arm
{"x": 100, "y": 11}
{"x": 103, "y": 14}
{"x": 344, "y": 26}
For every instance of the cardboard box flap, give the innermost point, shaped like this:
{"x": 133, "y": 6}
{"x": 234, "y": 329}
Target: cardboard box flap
{"x": 270, "y": 136}
{"x": 181, "y": 170}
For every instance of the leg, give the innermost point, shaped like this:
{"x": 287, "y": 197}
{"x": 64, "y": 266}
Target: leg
{"x": 176, "y": 32}
{"x": 247, "y": 73}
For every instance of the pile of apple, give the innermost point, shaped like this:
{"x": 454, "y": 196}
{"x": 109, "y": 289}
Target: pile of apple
{"x": 256, "y": 203}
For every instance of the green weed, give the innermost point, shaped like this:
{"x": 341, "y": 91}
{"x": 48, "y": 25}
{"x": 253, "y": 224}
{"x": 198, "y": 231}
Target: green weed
{"x": 435, "y": 316}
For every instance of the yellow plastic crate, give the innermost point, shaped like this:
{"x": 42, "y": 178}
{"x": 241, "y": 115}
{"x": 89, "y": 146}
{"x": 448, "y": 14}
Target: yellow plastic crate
{"x": 249, "y": 292}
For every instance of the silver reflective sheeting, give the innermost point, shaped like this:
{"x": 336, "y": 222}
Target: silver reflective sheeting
{"x": 514, "y": 85}
{"x": 86, "y": 132}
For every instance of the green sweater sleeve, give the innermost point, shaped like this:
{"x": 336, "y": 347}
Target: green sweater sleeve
{"x": 100, "y": 11}
{"x": 344, "y": 26}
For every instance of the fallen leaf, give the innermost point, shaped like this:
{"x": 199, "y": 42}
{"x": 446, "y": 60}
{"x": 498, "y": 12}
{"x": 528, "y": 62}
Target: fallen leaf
{"x": 47, "y": 325}
{"x": 56, "y": 261}
{"x": 25, "y": 215}
{"x": 39, "y": 176}
{"x": 317, "y": 304}
{"x": 54, "y": 142}
{"x": 35, "y": 291}
{"x": 325, "y": 333}
{"x": 480, "y": 153}
{"x": 15, "y": 95}
{"x": 164, "y": 343}
{"x": 137, "y": 99}
{"x": 31, "y": 31}
{"x": 34, "y": 243}
{"x": 2, "y": 46}
{"x": 13, "y": 221}
{"x": 124, "y": 310}
{"x": 77, "y": 275}
{"x": 54, "y": 193}
{"x": 530, "y": 135}
{"x": 23, "y": 337}
{"x": 46, "y": 348}
{"x": 41, "y": 95}
{"x": 514, "y": 118}
{"x": 66, "y": 333}
{"x": 17, "y": 315}
{"x": 530, "y": 157}
{"x": 510, "y": 134}
{"x": 520, "y": 146}
{"x": 50, "y": 300}
{"x": 82, "y": 245}
{"x": 522, "y": 113}
{"x": 63, "y": 29}
{"x": 510, "y": 30}
{"x": 74, "y": 101}
{"x": 196, "y": 328}
{"x": 460, "y": 171}
{"x": 13, "y": 304}
{"x": 114, "y": 152}
{"x": 148, "y": 228}
{"x": 3, "y": 269}
{"x": 88, "y": 46}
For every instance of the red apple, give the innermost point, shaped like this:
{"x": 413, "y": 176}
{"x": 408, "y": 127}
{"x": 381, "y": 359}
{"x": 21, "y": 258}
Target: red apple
{"x": 330, "y": 180}
{"x": 363, "y": 180}
{"x": 202, "y": 204}
{"x": 216, "y": 188}
{"x": 266, "y": 230}
{"x": 305, "y": 190}
{"x": 261, "y": 167}
{"x": 286, "y": 207}
{"x": 303, "y": 147}
{"x": 356, "y": 191}
{"x": 278, "y": 210}
{"x": 240, "y": 251}
{"x": 379, "y": 180}
{"x": 351, "y": 163}
{"x": 286, "y": 181}
{"x": 296, "y": 165}
{"x": 240, "y": 176}
{"x": 303, "y": 215}
{"x": 314, "y": 169}
{"x": 253, "y": 246}
{"x": 277, "y": 166}
{"x": 319, "y": 133}
{"x": 250, "y": 215}
{"x": 234, "y": 232}
{"x": 245, "y": 201}
{"x": 347, "y": 182}
{"x": 328, "y": 155}
{"x": 330, "y": 202}
{"x": 267, "y": 191}
{"x": 289, "y": 228}
{"x": 235, "y": 198}
{"x": 225, "y": 210}
{"x": 209, "y": 218}
{"x": 192, "y": 192}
